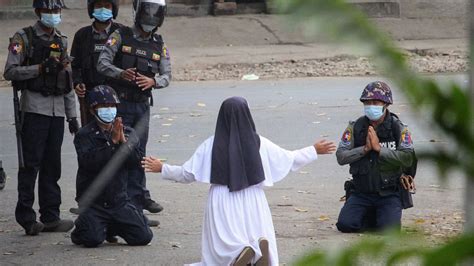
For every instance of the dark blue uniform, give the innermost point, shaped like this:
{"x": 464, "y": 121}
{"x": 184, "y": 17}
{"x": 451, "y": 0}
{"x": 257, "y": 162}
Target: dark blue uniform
{"x": 376, "y": 176}
{"x": 110, "y": 212}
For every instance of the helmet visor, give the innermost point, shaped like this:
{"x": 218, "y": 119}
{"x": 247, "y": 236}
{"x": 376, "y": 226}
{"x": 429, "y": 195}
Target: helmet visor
{"x": 151, "y": 14}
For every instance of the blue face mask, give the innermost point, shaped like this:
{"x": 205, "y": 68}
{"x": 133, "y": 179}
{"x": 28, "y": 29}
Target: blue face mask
{"x": 107, "y": 114}
{"x": 102, "y": 14}
{"x": 373, "y": 112}
{"x": 50, "y": 20}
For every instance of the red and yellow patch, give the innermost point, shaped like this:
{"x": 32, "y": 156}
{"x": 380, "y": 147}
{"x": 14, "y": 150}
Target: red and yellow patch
{"x": 16, "y": 48}
{"x": 54, "y": 46}
{"x": 347, "y": 136}
{"x": 165, "y": 52}
{"x": 406, "y": 140}
{"x": 111, "y": 41}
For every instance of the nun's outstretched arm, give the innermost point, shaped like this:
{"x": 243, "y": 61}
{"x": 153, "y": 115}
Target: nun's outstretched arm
{"x": 309, "y": 154}
{"x": 177, "y": 173}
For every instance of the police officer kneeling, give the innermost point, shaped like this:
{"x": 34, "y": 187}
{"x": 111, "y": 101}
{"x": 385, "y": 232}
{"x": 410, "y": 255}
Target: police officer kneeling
{"x": 106, "y": 149}
{"x": 379, "y": 149}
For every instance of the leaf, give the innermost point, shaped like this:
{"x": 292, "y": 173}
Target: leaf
{"x": 303, "y": 172}
{"x": 201, "y": 104}
{"x": 300, "y": 210}
{"x": 165, "y": 135}
{"x": 164, "y": 109}
{"x": 166, "y": 125}
{"x": 323, "y": 218}
{"x": 284, "y": 205}
{"x": 420, "y": 221}
{"x": 9, "y": 253}
{"x": 195, "y": 114}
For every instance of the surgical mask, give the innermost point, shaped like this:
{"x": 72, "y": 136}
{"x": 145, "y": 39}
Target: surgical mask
{"x": 373, "y": 112}
{"x": 102, "y": 14}
{"x": 107, "y": 114}
{"x": 50, "y": 20}
{"x": 148, "y": 28}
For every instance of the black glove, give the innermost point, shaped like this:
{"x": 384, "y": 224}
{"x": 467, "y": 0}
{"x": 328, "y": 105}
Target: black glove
{"x": 73, "y": 125}
{"x": 51, "y": 66}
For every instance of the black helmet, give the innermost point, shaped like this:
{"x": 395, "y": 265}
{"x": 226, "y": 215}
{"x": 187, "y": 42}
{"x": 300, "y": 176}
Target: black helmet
{"x": 115, "y": 7}
{"x": 101, "y": 94}
{"x": 48, "y": 4}
{"x": 149, "y": 12}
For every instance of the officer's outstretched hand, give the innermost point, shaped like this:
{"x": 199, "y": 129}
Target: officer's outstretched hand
{"x": 73, "y": 125}
{"x": 144, "y": 82}
{"x": 152, "y": 164}
{"x": 324, "y": 147}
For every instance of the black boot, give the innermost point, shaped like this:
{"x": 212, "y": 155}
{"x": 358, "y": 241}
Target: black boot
{"x": 58, "y": 226}
{"x": 3, "y": 177}
{"x": 152, "y": 206}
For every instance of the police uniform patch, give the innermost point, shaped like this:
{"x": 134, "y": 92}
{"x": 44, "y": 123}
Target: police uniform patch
{"x": 406, "y": 140}
{"x": 111, "y": 41}
{"x": 166, "y": 53}
{"x": 54, "y": 46}
{"x": 16, "y": 48}
{"x": 156, "y": 57}
{"x": 346, "y": 137}
{"x": 126, "y": 49}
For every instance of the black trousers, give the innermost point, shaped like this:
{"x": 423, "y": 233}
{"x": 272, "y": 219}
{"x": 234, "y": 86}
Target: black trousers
{"x": 368, "y": 210}
{"x": 137, "y": 116}
{"x": 42, "y": 138}
{"x": 97, "y": 222}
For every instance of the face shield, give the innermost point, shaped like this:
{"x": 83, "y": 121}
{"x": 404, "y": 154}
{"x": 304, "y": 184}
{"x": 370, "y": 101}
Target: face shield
{"x": 150, "y": 13}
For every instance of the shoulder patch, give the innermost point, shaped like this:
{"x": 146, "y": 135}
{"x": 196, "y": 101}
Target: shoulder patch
{"x": 165, "y": 52}
{"x": 406, "y": 140}
{"x": 16, "y": 44}
{"x": 347, "y": 136}
{"x": 111, "y": 41}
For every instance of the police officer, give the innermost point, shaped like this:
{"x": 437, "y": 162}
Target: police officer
{"x": 105, "y": 150}
{"x": 38, "y": 65}
{"x": 378, "y": 147}
{"x": 136, "y": 60}
{"x": 88, "y": 42}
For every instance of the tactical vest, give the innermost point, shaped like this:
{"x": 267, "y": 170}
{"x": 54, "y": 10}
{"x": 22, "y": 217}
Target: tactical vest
{"x": 368, "y": 174}
{"x": 144, "y": 56}
{"x": 90, "y": 56}
{"x": 38, "y": 51}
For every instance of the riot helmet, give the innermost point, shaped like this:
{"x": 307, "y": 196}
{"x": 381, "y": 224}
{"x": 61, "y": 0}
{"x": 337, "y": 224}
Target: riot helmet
{"x": 149, "y": 14}
{"x": 101, "y": 94}
{"x": 115, "y": 7}
{"x": 49, "y": 4}
{"x": 377, "y": 90}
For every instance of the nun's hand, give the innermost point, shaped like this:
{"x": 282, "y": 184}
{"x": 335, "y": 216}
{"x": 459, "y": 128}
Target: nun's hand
{"x": 324, "y": 147}
{"x": 151, "y": 164}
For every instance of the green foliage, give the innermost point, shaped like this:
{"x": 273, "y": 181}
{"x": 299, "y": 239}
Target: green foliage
{"x": 395, "y": 249}
{"x": 448, "y": 106}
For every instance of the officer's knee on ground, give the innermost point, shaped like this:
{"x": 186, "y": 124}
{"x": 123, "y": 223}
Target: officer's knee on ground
{"x": 345, "y": 227}
{"x": 143, "y": 240}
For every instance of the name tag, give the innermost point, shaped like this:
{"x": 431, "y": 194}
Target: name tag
{"x": 99, "y": 47}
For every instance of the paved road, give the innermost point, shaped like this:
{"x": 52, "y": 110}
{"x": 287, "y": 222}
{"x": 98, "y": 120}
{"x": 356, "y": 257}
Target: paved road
{"x": 293, "y": 113}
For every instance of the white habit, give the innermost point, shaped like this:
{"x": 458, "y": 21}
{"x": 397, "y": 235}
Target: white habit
{"x": 234, "y": 220}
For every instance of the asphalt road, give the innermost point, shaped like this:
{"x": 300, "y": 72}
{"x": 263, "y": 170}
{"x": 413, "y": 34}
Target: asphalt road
{"x": 292, "y": 113}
